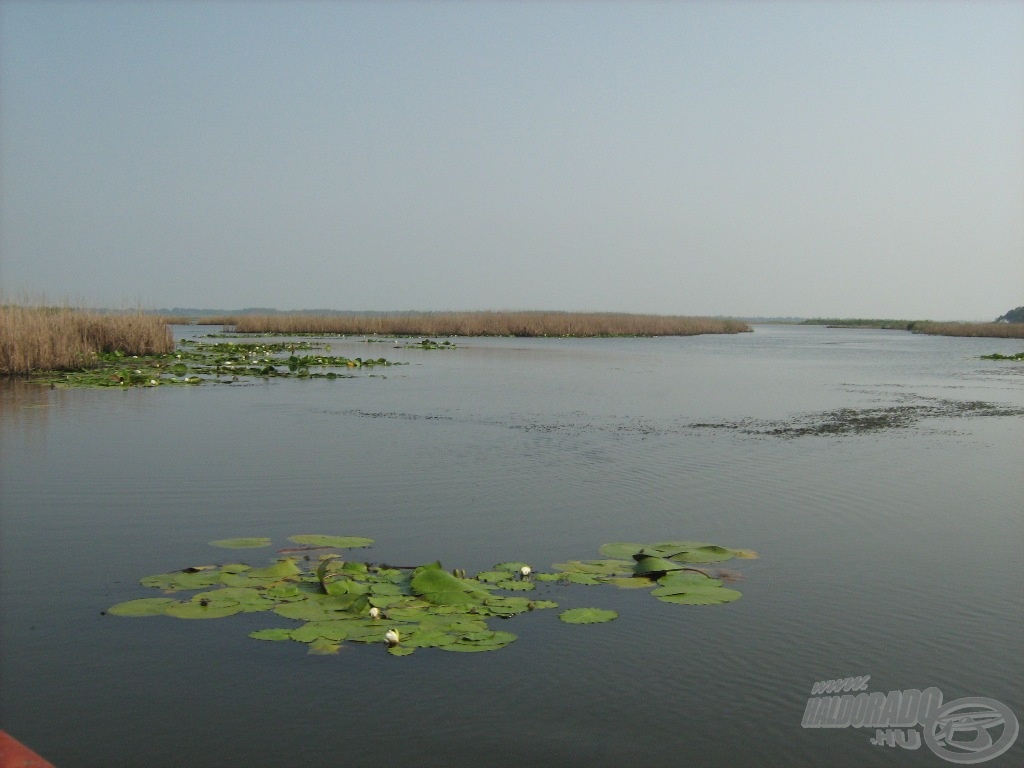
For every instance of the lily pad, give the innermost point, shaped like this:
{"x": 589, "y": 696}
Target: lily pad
{"x": 703, "y": 597}
{"x": 438, "y": 586}
{"x": 343, "y": 600}
{"x": 323, "y": 647}
{"x": 587, "y": 616}
{"x": 195, "y": 609}
{"x": 339, "y": 542}
{"x": 654, "y": 566}
{"x": 146, "y": 606}
{"x": 272, "y": 634}
{"x": 484, "y": 640}
{"x": 279, "y": 570}
{"x": 249, "y": 543}
{"x": 312, "y": 630}
{"x": 511, "y": 567}
{"x": 620, "y": 549}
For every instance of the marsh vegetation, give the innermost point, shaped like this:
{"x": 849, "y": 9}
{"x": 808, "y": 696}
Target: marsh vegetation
{"x": 523, "y": 324}
{"x": 65, "y": 339}
{"x": 997, "y": 330}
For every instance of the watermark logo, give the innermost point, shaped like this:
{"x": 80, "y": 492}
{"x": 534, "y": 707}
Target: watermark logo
{"x": 965, "y": 731}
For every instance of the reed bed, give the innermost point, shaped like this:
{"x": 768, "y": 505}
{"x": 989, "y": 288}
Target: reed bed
{"x": 523, "y": 324}
{"x": 63, "y": 338}
{"x": 989, "y": 330}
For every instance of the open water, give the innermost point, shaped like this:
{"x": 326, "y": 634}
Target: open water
{"x": 895, "y": 550}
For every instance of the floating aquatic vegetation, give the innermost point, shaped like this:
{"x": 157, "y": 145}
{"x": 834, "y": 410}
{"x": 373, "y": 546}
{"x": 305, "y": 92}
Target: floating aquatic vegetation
{"x": 253, "y": 542}
{"x": 197, "y": 362}
{"x": 340, "y": 542}
{"x": 587, "y": 616}
{"x": 405, "y": 608}
{"x": 431, "y": 344}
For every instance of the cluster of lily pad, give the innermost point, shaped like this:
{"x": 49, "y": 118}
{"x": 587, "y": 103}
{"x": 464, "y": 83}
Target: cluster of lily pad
{"x": 432, "y": 344}
{"x": 198, "y": 362}
{"x": 1018, "y": 357}
{"x": 425, "y": 606}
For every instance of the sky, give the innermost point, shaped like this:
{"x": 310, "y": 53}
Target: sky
{"x": 811, "y": 159}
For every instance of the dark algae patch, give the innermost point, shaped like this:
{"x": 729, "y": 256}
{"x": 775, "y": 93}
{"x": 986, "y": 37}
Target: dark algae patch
{"x": 857, "y": 421}
{"x": 405, "y": 608}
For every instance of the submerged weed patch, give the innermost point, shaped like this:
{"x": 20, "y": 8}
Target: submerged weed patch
{"x": 407, "y": 608}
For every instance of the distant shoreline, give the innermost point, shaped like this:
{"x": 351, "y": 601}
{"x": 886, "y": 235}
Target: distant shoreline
{"x": 929, "y": 327}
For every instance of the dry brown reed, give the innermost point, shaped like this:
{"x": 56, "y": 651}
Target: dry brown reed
{"x": 990, "y": 330}
{"x": 63, "y": 338}
{"x": 528, "y": 324}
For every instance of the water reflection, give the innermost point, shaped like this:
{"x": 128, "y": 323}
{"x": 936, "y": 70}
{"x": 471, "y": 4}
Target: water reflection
{"x": 892, "y": 552}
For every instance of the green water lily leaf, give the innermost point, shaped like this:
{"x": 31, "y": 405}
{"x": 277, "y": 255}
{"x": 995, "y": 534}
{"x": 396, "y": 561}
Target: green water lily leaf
{"x": 631, "y": 582}
{"x": 746, "y": 554}
{"x": 587, "y": 616}
{"x": 254, "y": 542}
{"x": 182, "y": 580}
{"x": 620, "y": 550}
{"x": 688, "y": 579}
{"x": 315, "y": 609}
{"x": 195, "y": 609}
{"x": 436, "y": 585}
{"x": 482, "y": 640}
{"x": 689, "y": 551}
{"x": 703, "y": 597}
{"x": 272, "y": 634}
{"x": 653, "y": 566}
{"x": 339, "y": 542}
{"x": 580, "y": 578}
{"x": 511, "y": 567}
{"x": 146, "y": 606}
{"x": 710, "y": 554}
{"x": 536, "y": 605}
{"x": 279, "y": 570}
{"x": 323, "y": 647}
{"x": 428, "y": 639}
{"x": 329, "y": 630}
{"x": 246, "y": 599}
{"x": 401, "y": 650}
{"x": 284, "y": 591}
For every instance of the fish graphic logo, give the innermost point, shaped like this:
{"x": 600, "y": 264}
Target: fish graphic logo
{"x": 962, "y": 730}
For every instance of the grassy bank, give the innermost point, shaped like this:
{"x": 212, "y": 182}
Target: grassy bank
{"x": 987, "y": 330}
{"x": 63, "y": 339}
{"x": 526, "y": 324}
{"x": 858, "y": 322}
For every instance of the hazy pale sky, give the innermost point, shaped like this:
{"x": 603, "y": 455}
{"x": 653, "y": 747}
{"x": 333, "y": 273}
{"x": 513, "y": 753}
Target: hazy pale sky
{"x": 857, "y": 159}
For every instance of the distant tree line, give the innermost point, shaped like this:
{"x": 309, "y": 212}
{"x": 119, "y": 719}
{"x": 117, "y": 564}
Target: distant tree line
{"x": 1013, "y": 316}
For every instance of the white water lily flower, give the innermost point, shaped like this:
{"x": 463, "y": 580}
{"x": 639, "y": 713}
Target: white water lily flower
{"x": 375, "y": 612}
{"x": 524, "y": 572}
{"x": 391, "y": 637}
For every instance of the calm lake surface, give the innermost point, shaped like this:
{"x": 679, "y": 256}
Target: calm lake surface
{"x": 895, "y": 552}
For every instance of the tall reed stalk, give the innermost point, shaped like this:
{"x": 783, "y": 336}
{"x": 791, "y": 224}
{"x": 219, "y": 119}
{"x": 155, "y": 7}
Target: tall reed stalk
{"x": 989, "y": 330}
{"x": 490, "y": 324}
{"x": 63, "y": 338}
